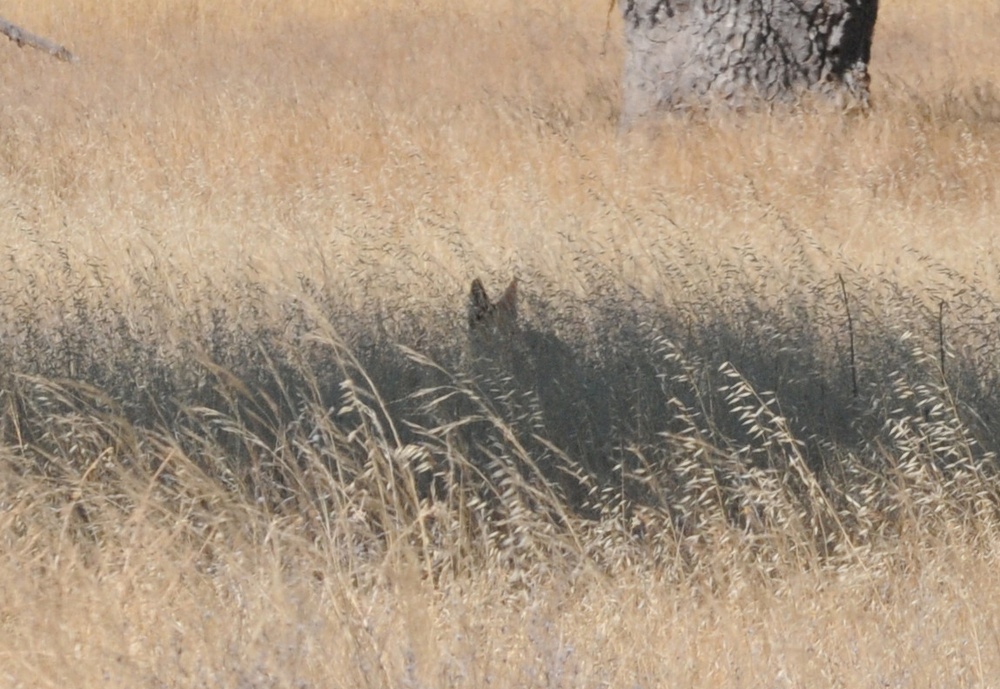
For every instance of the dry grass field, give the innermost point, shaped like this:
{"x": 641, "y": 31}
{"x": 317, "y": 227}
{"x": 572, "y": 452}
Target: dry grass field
{"x": 746, "y": 434}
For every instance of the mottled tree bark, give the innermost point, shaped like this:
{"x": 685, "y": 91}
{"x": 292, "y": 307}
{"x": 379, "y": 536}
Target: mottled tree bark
{"x": 684, "y": 53}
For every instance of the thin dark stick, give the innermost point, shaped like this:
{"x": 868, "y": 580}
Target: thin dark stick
{"x": 850, "y": 335}
{"x": 22, "y": 37}
{"x": 941, "y": 308}
{"x": 607, "y": 28}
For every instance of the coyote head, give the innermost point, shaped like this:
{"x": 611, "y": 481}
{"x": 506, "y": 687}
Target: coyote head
{"x": 487, "y": 315}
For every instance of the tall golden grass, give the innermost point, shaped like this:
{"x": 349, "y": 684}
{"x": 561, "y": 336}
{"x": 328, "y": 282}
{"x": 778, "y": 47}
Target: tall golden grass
{"x": 745, "y": 434}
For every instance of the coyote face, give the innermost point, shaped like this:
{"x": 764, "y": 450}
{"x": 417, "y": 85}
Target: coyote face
{"x": 485, "y": 315}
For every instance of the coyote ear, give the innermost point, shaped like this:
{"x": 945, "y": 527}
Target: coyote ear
{"x": 508, "y": 302}
{"x": 479, "y": 303}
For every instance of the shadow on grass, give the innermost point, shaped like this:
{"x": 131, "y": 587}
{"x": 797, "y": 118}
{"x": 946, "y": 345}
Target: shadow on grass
{"x": 579, "y": 410}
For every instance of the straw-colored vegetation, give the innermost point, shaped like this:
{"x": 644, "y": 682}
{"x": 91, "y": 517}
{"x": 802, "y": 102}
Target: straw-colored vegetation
{"x": 744, "y": 434}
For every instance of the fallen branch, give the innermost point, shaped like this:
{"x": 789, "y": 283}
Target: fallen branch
{"x": 22, "y": 38}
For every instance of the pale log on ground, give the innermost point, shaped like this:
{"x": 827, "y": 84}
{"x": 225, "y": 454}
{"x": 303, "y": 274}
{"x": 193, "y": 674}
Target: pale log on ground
{"x": 22, "y": 37}
{"x": 698, "y": 53}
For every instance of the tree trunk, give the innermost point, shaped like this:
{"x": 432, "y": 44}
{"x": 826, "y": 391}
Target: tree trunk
{"x": 699, "y": 53}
